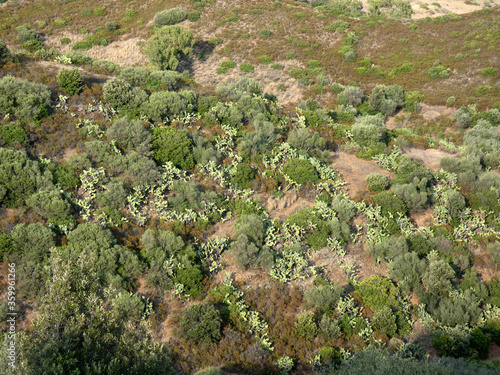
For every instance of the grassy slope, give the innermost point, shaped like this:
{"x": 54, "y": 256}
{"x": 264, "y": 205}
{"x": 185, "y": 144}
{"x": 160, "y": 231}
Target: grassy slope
{"x": 465, "y": 43}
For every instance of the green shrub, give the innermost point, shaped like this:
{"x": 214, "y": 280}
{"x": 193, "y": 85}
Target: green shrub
{"x": 25, "y": 35}
{"x": 290, "y": 55}
{"x": 60, "y": 22}
{"x": 170, "y": 17}
{"x": 277, "y": 66}
{"x": 384, "y": 321}
{"x": 489, "y": 71}
{"x": 378, "y": 292}
{"x": 301, "y": 171}
{"x": 228, "y": 64}
{"x": 438, "y": 71}
{"x": 191, "y": 277}
{"x": 32, "y": 45}
{"x": 129, "y": 15}
{"x": 450, "y": 101}
{"x": 201, "y": 323}
{"x": 65, "y": 41}
{"x": 193, "y": 16}
{"x": 99, "y": 12}
{"x": 305, "y": 326}
{"x": 70, "y": 80}
{"x": 338, "y": 26}
{"x": 82, "y": 45}
{"x": 377, "y": 182}
{"x": 173, "y": 145}
{"x": 265, "y": 33}
{"x": 244, "y": 176}
{"x": 167, "y": 45}
{"x": 106, "y": 65}
{"x": 11, "y": 133}
{"x": 86, "y": 12}
{"x": 246, "y": 67}
{"x": 27, "y": 100}
{"x": 266, "y": 60}
{"x": 111, "y": 26}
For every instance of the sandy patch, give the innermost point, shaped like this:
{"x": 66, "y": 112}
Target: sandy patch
{"x": 430, "y": 157}
{"x": 431, "y": 112}
{"x": 123, "y": 52}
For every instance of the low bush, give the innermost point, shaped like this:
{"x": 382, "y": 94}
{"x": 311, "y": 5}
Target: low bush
{"x": 377, "y": 182}
{"x": 71, "y": 81}
{"x": 246, "y": 67}
{"x": 170, "y": 17}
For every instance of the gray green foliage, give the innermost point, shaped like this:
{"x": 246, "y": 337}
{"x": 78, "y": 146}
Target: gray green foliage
{"x": 106, "y": 65}
{"x": 379, "y": 362}
{"x": 344, "y": 208}
{"x": 352, "y": 95}
{"x": 113, "y": 196}
{"x": 329, "y": 328}
{"x": 437, "y": 280}
{"x": 248, "y": 246}
{"x": 377, "y": 182}
{"x": 160, "y": 245}
{"x": 31, "y": 246}
{"x": 458, "y": 309}
{"x": 170, "y": 17}
{"x": 415, "y": 195}
{"x": 325, "y": 298}
{"x": 20, "y": 177}
{"x": 26, "y": 100}
{"x": 130, "y": 135}
{"x": 260, "y": 140}
{"x": 50, "y": 204}
{"x": 386, "y": 99}
{"x": 167, "y": 45}
{"x": 304, "y": 141}
{"x": 454, "y": 202}
{"x": 163, "y": 105}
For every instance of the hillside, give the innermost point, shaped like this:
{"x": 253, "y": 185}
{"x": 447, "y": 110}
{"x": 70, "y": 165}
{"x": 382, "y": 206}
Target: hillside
{"x": 240, "y": 187}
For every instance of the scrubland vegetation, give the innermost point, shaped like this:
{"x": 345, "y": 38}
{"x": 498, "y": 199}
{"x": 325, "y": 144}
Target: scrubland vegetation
{"x": 147, "y": 210}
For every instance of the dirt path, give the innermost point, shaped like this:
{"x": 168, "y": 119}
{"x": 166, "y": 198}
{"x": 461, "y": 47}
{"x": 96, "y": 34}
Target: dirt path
{"x": 354, "y": 171}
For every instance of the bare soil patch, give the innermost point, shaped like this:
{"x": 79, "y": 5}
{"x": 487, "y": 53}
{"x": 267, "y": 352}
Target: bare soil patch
{"x": 431, "y": 112}
{"x": 124, "y": 52}
{"x": 276, "y": 82}
{"x": 429, "y": 157}
{"x": 354, "y": 171}
{"x": 281, "y": 208}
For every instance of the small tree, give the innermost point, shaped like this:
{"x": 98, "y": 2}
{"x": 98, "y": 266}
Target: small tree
{"x": 70, "y": 80}
{"x": 167, "y": 45}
